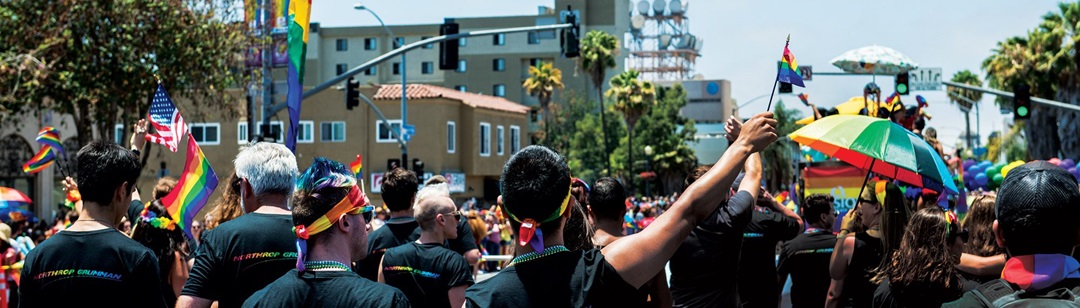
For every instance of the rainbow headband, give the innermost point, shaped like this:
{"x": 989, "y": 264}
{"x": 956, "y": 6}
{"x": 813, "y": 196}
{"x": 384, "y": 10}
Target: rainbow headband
{"x": 355, "y": 199}
{"x": 160, "y": 222}
{"x": 529, "y": 232}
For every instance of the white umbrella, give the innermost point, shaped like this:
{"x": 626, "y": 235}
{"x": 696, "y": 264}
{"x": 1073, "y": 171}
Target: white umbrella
{"x": 874, "y": 59}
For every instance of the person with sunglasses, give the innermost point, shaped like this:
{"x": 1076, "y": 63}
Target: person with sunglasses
{"x": 428, "y": 273}
{"x": 806, "y": 257}
{"x": 330, "y": 215}
{"x": 923, "y": 271}
{"x": 878, "y": 223}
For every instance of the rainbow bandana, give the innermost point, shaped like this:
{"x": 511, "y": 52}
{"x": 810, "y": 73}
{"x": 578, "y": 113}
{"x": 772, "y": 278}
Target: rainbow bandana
{"x": 530, "y": 233}
{"x": 1040, "y": 271}
{"x": 354, "y": 203}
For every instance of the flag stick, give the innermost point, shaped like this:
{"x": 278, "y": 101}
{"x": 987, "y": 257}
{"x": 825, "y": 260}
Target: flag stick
{"x": 788, "y": 41}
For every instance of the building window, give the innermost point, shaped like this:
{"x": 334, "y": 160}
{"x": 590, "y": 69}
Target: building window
{"x": 500, "y": 142}
{"x": 396, "y": 68}
{"x": 206, "y": 133}
{"x": 427, "y": 68}
{"x": 461, "y": 68}
{"x": 461, "y": 42}
{"x": 399, "y": 41}
{"x": 485, "y": 139}
{"x": 427, "y": 46}
{"x": 460, "y": 88}
{"x": 515, "y": 139}
{"x": 305, "y": 132}
{"x": 534, "y": 38}
{"x": 342, "y": 44}
{"x": 118, "y": 134}
{"x": 499, "y": 90}
{"x": 342, "y": 68}
{"x": 371, "y": 71}
{"x": 498, "y": 64}
{"x": 385, "y": 136}
{"x": 451, "y": 137}
{"x": 276, "y": 131}
{"x": 535, "y": 61}
{"x": 499, "y": 39}
{"x": 332, "y": 131}
{"x": 370, "y": 44}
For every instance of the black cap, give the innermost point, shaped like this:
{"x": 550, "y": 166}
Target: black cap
{"x": 1037, "y": 209}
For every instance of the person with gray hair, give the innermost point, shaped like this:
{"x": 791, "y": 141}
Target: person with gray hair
{"x": 429, "y": 274}
{"x": 245, "y": 254}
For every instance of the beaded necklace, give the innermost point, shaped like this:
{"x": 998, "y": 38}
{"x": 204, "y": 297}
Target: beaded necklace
{"x": 316, "y": 265}
{"x": 533, "y": 255}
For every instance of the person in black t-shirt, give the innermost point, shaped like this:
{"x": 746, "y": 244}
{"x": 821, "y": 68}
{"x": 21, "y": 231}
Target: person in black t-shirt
{"x": 429, "y": 274}
{"x": 91, "y": 259}
{"x": 331, "y": 214}
{"x": 245, "y": 254}
{"x": 806, "y": 258}
{"x": 770, "y": 223}
{"x": 536, "y": 194}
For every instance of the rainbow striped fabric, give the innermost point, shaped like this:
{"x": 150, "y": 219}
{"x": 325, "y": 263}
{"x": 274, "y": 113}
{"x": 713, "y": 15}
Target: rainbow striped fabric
{"x": 42, "y": 159}
{"x": 51, "y": 137}
{"x": 789, "y": 69}
{"x": 357, "y": 167}
{"x": 299, "y": 22}
{"x": 194, "y": 188}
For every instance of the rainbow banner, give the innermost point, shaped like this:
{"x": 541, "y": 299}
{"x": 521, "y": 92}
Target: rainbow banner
{"x": 299, "y": 21}
{"x": 51, "y": 137}
{"x": 843, "y": 182}
{"x": 194, "y": 188}
{"x": 789, "y": 69}
{"x": 40, "y": 161}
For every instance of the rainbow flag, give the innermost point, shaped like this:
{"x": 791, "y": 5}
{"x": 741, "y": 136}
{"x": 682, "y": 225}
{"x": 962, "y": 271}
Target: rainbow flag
{"x": 42, "y": 159}
{"x": 51, "y": 137}
{"x": 194, "y": 188}
{"x": 357, "y": 167}
{"x": 299, "y": 21}
{"x": 789, "y": 69}
{"x": 891, "y": 101}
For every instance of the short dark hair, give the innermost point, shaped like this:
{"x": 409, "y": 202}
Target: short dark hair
{"x": 696, "y": 174}
{"x": 319, "y": 189}
{"x": 102, "y": 167}
{"x": 1037, "y": 207}
{"x": 399, "y": 186}
{"x": 608, "y": 199}
{"x": 814, "y": 206}
{"x": 534, "y": 182}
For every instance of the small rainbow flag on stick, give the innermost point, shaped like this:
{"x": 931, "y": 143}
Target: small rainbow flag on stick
{"x": 193, "y": 189}
{"x": 357, "y": 167}
{"x": 51, "y": 137}
{"x": 42, "y": 159}
{"x": 789, "y": 69}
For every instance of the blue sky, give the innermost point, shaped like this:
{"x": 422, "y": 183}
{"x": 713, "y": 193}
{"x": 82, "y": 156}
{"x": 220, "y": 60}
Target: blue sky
{"x": 744, "y": 39}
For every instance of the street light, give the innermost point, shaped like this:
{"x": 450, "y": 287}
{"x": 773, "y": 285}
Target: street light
{"x": 648, "y": 168}
{"x": 404, "y": 98}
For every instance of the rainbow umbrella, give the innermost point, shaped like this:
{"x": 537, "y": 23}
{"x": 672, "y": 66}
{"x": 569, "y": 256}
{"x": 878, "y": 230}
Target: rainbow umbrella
{"x": 880, "y": 146}
{"x": 11, "y": 198}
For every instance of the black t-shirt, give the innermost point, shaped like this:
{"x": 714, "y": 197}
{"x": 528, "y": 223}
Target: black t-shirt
{"x": 806, "y": 258}
{"x": 104, "y": 266}
{"x": 425, "y": 272}
{"x": 326, "y": 289}
{"x": 757, "y": 264}
{"x": 134, "y": 209}
{"x": 704, "y": 268}
{"x": 400, "y": 231}
{"x": 242, "y": 256}
{"x": 887, "y": 297}
{"x": 565, "y": 279}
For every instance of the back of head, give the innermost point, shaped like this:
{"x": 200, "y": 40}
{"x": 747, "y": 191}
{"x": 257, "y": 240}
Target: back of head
{"x": 696, "y": 174}
{"x": 269, "y": 168}
{"x": 398, "y": 189}
{"x": 1037, "y": 207}
{"x": 430, "y": 202}
{"x": 894, "y": 219}
{"x": 319, "y": 189}
{"x": 102, "y": 167}
{"x": 979, "y": 222}
{"x": 607, "y": 199}
{"x": 924, "y": 262}
{"x": 164, "y": 187}
{"x": 814, "y": 206}
{"x": 536, "y": 185}
{"x": 435, "y": 179}
{"x": 156, "y": 229}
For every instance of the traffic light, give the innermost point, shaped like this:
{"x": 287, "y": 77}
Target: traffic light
{"x": 785, "y": 88}
{"x": 448, "y": 50}
{"x": 418, "y": 167}
{"x": 570, "y": 39}
{"x": 902, "y": 84}
{"x": 352, "y": 93}
{"x": 1021, "y": 102}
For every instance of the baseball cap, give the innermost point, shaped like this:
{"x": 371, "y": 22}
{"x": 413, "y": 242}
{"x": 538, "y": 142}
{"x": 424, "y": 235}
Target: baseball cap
{"x": 1037, "y": 206}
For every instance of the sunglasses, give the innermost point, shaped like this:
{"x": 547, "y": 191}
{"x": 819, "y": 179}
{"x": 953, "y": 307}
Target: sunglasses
{"x": 367, "y": 211}
{"x": 456, "y": 214}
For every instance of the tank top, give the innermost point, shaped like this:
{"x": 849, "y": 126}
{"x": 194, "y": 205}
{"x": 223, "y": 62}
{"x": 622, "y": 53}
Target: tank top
{"x": 858, "y": 288}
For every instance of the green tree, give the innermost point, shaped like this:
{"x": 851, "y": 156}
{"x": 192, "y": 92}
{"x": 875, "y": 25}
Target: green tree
{"x": 598, "y": 51}
{"x": 100, "y": 61}
{"x": 659, "y": 128}
{"x": 963, "y": 98}
{"x": 542, "y": 82}
{"x": 633, "y": 98}
{"x": 777, "y": 158}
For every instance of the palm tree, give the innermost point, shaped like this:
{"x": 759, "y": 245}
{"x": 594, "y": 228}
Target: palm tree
{"x": 542, "y": 82}
{"x": 598, "y": 52}
{"x": 964, "y": 97}
{"x": 1064, "y": 27}
{"x": 1025, "y": 60}
{"x": 633, "y": 98}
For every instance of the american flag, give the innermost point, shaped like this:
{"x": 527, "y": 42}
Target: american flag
{"x": 166, "y": 120}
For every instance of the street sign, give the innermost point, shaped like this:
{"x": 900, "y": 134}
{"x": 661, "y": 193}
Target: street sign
{"x": 925, "y": 79}
{"x": 806, "y": 72}
{"x": 410, "y": 129}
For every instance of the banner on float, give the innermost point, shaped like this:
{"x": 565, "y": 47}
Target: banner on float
{"x": 455, "y": 182}
{"x": 840, "y": 181}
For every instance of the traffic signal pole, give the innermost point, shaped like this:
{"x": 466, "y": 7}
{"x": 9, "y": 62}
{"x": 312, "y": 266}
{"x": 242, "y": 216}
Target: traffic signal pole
{"x": 1047, "y": 102}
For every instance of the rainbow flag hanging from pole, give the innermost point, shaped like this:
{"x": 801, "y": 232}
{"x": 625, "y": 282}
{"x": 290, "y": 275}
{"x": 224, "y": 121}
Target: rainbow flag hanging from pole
{"x": 40, "y": 161}
{"x": 51, "y": 137}
{"x": 789, "y": 69}
{"x": 299, "y": 21}
{"x": 194, "y": 188}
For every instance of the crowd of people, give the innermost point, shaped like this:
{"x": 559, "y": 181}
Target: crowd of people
{"x": 279, "y": 237}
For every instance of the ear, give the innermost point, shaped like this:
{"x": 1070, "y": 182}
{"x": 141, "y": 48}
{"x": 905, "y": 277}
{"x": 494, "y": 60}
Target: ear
{"x": 343, "y": 223}
{"x": 121, "y": 191}
{"x": 999, "y": 236}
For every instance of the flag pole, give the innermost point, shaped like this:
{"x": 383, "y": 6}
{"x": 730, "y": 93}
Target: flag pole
{"x": 777, "y": 81}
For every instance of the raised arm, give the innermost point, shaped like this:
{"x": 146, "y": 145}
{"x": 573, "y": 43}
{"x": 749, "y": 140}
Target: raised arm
{"x": 638, "y": 259}
{"x": 775, "y": 206}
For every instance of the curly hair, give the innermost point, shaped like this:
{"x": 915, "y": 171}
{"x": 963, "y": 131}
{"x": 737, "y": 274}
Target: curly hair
{"x": 979, "y": 222}
{"x": 923, "y": 266}
{"x": 228, "y": 206}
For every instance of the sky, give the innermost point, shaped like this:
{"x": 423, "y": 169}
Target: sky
{"x": 743, "y": 39}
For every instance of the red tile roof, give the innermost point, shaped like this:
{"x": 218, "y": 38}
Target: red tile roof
{"x": 417, "y": 91}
